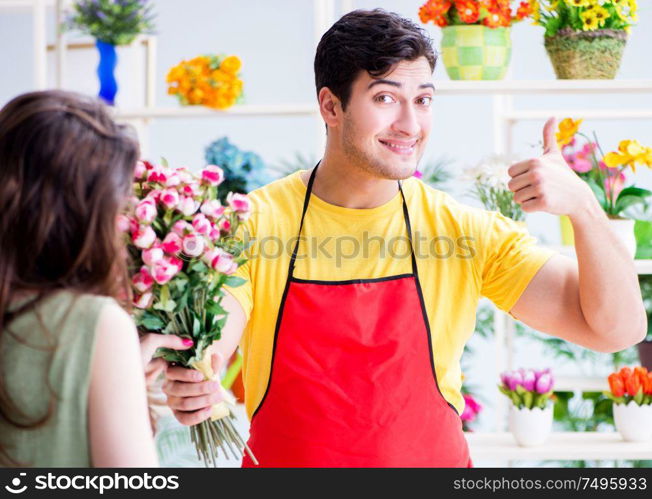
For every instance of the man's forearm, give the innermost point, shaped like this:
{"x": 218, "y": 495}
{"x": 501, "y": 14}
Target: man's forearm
{"x": 610, "y": 295}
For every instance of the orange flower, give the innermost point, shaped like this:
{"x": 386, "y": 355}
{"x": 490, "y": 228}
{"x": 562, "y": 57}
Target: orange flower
{"x": 468, "y": 11}
{"x": 625, "y": 373}
{"x": 524, "y": 10}
{"x": 647, "y": 386}
{"x": 435, "y": 11}
{"x": 633, "y": 385}
{"x": 496, "y": 18}
{"x": 616, "y": 385}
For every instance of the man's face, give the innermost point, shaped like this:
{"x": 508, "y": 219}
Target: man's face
{"x": 387, "y": 119}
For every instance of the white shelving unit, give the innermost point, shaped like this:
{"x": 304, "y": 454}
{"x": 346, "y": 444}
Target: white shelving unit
{"x": 484, "y": 446}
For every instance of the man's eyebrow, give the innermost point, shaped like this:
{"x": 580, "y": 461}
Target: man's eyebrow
{"x": 396, "y": 84}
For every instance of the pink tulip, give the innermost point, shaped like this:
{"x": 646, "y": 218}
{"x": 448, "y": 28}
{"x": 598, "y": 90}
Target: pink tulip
{"x": 212, "y": 175}
{"x": 143, "y": 237}
{"x": 212, "y": 208}
{"x": 144, "y": 301}
{"x": 193, "y": 245}
{"x": 146, "y": 211}
{"x": 169, "y": 198}
{"x": 589, "y": 148}
{"x": 152, "y": 255}
{"x": 614, "y": 183}
{"x": 238, "y": 202}
{"x": 201, "y": 224}
{"x": 544, "y": 383}
{"x": 143, "y": 280}
{"x": 172, "y": 243}
{"x": 529, "y": 380}
{"x": 187, "y": 206}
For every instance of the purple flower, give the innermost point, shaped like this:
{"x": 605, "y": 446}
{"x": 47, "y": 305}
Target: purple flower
{"x": 511, "y": 379}
{"x": 529, "y": 380}
{"x": 544, "y": 383}
{"x": 471, "y": 408}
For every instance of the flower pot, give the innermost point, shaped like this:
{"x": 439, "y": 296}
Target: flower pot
{"x": 623, "y": 228}
{"x": 530, "y": 427}
{"x": 567, "y": 235}
{"x": 586, "y": 54}
{"x": 476, "y": 52}
{"x": 633, "y": 421}
{"x": 106, "y": 71}
{"x": 645, "y": 354}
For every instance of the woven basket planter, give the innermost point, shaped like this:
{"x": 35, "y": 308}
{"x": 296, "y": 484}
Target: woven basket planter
{"x": 586, "y": 55}
{"x": 476, "y": 52}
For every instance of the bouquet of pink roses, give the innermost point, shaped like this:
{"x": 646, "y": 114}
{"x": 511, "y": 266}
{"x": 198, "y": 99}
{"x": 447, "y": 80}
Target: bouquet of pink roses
{"x": 183, "y": 250}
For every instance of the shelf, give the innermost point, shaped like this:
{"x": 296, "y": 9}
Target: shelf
{"x": 643, "y": 267}
{"x": 560, "y": 446}
{"x": 205, "y": 112}
{"x": 515, "y": 87}
{"x": 581, "y": 383}
{"x": 587, "y": 114}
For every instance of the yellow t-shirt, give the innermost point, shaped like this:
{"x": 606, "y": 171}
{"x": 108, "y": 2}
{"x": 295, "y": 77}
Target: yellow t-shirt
{"x": 462, "y": 253}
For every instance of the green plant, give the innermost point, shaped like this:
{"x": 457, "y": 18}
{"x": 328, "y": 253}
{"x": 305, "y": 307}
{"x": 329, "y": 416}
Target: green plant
{"x": 116, "y": 22}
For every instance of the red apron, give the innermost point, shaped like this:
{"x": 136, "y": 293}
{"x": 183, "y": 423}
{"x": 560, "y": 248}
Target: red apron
{"x": 352, "y": 380}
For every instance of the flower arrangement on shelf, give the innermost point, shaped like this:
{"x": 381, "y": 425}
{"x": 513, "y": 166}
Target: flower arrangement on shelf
{"x": 183, "y": 250}
{"x": 476, "y": 42}
{"x": 606, "y": 173}
{"x": 531, "y": 394}
{"x": 585, "y": 38}
{"x": 490, "y": 179}
{"x": 111, "y": 23}
{"x": 244, "y": 171}
{"x": 207, "y": 80}
{"x": 472, "y": 408}
{"x": 631, "y": 393}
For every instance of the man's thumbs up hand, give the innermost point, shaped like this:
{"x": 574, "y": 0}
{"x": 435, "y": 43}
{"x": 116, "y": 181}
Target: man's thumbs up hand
{"x": 547, "y": 183}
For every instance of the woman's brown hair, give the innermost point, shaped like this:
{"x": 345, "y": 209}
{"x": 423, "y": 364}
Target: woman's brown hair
{"x": 66, "y": 170}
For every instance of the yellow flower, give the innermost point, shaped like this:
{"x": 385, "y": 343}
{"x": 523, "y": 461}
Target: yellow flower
{"x": 553, "y": 5}
{"x": 590, "y": 21}
{"x": 568, "y": 127}
{"x": 601, "y": 14}
{"x": 630, "y": 153}
{"x": 580, "y": 3}
{"x": 231, "y": 64}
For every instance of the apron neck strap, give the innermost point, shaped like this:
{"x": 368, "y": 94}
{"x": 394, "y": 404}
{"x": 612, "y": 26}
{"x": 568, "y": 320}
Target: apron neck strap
{"x": 311, "y": 181}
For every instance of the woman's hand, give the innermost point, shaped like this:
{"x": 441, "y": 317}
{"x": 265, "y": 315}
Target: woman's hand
{"x": 149, "y": 343}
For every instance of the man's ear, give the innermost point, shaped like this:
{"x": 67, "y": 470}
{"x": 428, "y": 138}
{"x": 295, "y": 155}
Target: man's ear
{"x": 330, "y": 107}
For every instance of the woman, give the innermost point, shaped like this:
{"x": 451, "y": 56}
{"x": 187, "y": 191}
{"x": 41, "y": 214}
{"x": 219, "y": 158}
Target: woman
{"x": 72, "y": 386}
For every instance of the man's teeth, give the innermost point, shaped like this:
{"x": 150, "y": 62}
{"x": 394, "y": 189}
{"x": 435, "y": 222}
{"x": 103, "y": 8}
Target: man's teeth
{"x": 398, "y": 147}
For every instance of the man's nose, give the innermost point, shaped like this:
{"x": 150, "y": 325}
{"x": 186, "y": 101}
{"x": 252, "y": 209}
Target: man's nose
{"x": 406, "y": 122}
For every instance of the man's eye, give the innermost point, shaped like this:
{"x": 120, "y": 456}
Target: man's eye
{"x": 385, "y": 99}
{"x": 426, "y": 101}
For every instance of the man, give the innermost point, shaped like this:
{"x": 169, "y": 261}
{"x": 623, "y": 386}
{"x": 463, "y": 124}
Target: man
{"x": 363, "y": 282}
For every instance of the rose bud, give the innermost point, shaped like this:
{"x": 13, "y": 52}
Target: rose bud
{"x": 193, "y": 245}
{"x": 123, "y": 223}
{"x": 169, "y": 198}
{"x": 144, "y": 301}
{"x": 151, "y": 256}
{"x": 187, "y": 206}
{"x": 212, "y": 175}
{"x": 143, "y": 280}
{"x": 201, "y": 224}
{"x": 143, "y": 237}
{"x": 140, "y": 172}
{"x": 146, "y": 211}
{"x": 212, "y": 208}
{"x": 172, "y": 243}
{"x": 238, "y": 202}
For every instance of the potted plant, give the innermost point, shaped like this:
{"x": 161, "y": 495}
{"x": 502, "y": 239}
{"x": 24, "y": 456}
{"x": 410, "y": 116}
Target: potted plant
{"x": 476, "y": 43}
{"x": 631, "y": 393}
{"x": 605, "y": 174}
{"x": 112, "y": 24}
{"x": 585, "y": 39}
{"x": 530, "y": 416}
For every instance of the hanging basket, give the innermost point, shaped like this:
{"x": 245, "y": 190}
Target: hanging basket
{"x": 584, "y": 55}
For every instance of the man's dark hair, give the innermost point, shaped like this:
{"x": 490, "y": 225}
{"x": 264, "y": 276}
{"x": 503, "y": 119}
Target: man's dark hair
{"x": 369, "y": 40}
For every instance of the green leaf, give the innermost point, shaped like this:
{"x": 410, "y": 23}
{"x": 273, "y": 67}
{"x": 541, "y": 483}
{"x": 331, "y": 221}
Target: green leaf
{"x": 528, "y": 399}
{"x": 234, "y": 281}
{"x": 599, "y": 193}
{"x": 151, "y": 322}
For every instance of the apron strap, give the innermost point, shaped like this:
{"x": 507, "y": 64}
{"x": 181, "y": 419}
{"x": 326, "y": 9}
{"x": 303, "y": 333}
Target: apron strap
{"x": 311, "y": 181}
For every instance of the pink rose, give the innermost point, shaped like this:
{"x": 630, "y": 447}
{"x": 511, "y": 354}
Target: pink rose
{"x": 164, "y": 270}
{"x": 222, "y": 261}
{"x": 143, "y": 237}
{"x": 212, "y": 175}
{"x": 214, "y": 234}
{"x": 152, "y": 255}
{"x": 172, "y": 243}
{"x": 143, "y": 280}
{"x": 146, "y": 211}
{"x": 140, "y": 172}
{"x": 173, "y": 179}
{"x": 144, "y": 301}
{"x": 238, "y": 202}
{"x": 225, "y": 225}
{"x": 213, "y": 208}
{"x": 169, "y": 198}
{"x": 123, "y": 223}
{"x": 201, "y": 224}
{"x": 187, "y": 206}
{"x": 191, "y": 190}
{"x": 193, "y": 245}
{"x": 157, "y": 175}
{"x": 176, "y": 262}
{"x": 181, "y": 228}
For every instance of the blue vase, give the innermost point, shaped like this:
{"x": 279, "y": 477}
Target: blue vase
{"x": 106, "y": 70}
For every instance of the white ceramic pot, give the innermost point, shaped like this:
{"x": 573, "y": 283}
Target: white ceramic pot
{"x": 623, "y": 228}
{"x": 634, "y": 422}
{"x": 530, "y": 426}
